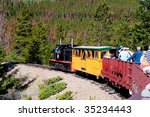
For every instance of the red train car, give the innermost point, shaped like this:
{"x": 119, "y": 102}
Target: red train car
{"x": 125, "y": 74}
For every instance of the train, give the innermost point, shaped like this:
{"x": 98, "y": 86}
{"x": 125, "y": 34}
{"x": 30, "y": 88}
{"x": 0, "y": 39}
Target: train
{"x": 91, "y": 60}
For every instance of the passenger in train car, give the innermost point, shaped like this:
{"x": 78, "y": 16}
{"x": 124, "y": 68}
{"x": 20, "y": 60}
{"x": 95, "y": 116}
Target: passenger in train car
{"x": 124, "y": 54}
{"x": 136, "y": 56}
{"x": 145, "y": 61}
{"x": 148, "y": 55}
{"x": 109, "y": 55}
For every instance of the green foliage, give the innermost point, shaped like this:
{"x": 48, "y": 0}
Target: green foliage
{"x": 66, "y": 96}
{"x": 2, "y": 54}
{"x": 23, "y": 31}
{"x": 45, "y": 49}
{"x": 122, "y": 32}
{"x": 41, "y": 86}
{"x": 141, "y": 31}
{"x": 30, "y": 43}
{"x": 53, "y": 80}
{"x": 52, "y": 89}
{"x": 13, "y": 57}
{"x": 102, "y": 25}
{"x": 38, "y": 50}
{"x": 32, "y": 52}
{"x": 109, "y": 26}
{"x": 60, "y": 32}
{"x": 9, "y": 83}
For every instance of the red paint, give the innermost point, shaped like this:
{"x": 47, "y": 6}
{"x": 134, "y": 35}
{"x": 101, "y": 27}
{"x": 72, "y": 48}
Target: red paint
{"x": 125, "y": 74}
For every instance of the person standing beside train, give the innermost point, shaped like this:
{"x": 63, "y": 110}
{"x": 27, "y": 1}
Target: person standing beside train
{"x": 136, "y": 56}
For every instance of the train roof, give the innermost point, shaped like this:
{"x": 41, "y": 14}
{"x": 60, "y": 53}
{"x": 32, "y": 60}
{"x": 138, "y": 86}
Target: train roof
{"x": 94, "y": 47}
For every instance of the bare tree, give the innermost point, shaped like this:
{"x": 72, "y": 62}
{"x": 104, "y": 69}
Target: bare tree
{"x": 2, "y": 32}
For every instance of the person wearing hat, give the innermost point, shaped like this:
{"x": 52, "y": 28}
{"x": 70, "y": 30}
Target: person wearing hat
{"x": 136, "y": 56}
{"x": 124, "y": 54}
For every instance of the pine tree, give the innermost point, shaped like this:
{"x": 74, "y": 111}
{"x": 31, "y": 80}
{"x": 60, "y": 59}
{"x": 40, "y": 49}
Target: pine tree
{"x": 32, "y": 55}
{"x": 101, "y": 26}
{"x": 141, "y": 31}
{"x": 38, "y": 50}
{"x": 23, "y": 31}
{"x": 45, "y": 49}
{"x": 122, "y": 32}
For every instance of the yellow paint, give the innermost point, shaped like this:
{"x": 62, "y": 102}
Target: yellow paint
{"x": 90, "y": 63}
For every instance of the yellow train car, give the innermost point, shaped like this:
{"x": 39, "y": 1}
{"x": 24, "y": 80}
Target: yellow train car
{"x": 88, "y": 59}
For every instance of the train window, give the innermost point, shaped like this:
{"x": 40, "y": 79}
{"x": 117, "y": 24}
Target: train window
{"x": 92, "y": 53}
{"x": 88, "y": 54}
{"x": 103, "y": 54}
{"x": 84, "y": 55}
{"x": 95, "y": 54}
{"x": 78, "y": 53}
{"x": 113, "y": 52}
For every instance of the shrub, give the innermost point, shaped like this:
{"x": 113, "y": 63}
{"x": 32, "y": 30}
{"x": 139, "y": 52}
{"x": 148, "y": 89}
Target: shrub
{"x": 52, "y": 89}
{"x": 66, "y": 96}
{"x": 53, "y": 80}
{"x": 10, "y": 83}
{"x": 41, "y": 86}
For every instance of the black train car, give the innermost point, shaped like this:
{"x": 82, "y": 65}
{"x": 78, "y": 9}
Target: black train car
{"x": 62, "y": 58}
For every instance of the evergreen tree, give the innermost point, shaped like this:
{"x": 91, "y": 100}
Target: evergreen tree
{"x": 38, "y": 50}
{"x": 45, "y": 49}
{"x": 23, "y": 31}
{"x": 122, "y": 32}
{"x": 32, "y": 55}
{"x": 141, "y": 31}
{"x": 102, "y": 25}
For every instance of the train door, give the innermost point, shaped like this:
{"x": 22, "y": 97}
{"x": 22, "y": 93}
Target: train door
{"x": 83, "y": 60}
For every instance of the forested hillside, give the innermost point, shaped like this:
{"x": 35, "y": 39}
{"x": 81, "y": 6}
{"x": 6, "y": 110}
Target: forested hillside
{"x": 30, "y": 29}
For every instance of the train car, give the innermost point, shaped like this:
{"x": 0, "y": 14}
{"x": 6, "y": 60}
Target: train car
{"x": 88, "y": 59}
{"x": 125, "y": 74}
{"x": 94, "y": 60}
{"x": 62, "y": 58}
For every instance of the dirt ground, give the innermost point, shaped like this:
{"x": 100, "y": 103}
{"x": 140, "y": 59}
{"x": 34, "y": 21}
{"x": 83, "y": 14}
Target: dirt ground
{"x": 82, "y": 88}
